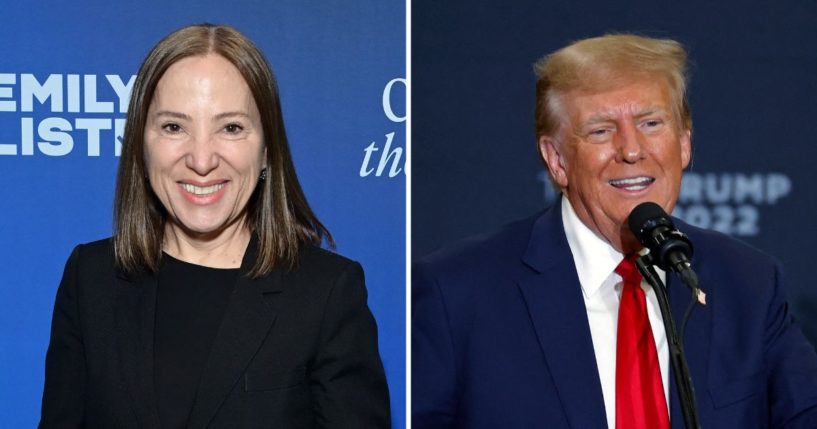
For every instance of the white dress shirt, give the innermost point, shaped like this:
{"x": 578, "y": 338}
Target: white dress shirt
{"x": 596, "y": 262}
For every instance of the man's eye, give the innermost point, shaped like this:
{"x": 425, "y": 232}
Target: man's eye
{"x": 652, "y": 123}
{"x": 171, "y": 127}
{"x": 600, "y": 132}
{"x": 233, "y": 128}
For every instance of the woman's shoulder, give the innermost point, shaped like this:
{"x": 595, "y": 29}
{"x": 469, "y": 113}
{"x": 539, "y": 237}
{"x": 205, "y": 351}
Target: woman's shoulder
{"x": 320, "y": 262}
{"x": 315, "y": 257}
{"x": 326, "y": 279}
{"x": 97, "y": 253}
{"x": 92, "y": 259}
{"x": 98, "y": 249}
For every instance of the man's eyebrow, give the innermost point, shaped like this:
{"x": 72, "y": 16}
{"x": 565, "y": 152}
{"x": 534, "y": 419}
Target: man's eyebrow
{"x": 597, "y": 118}
{"x": 605, "y": 117}
{"x": 650, "y": 110}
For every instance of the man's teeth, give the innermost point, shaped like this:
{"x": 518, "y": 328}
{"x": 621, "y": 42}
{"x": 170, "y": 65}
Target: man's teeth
{"x": 201, "y": 190}
{"x": 633, "y": 183}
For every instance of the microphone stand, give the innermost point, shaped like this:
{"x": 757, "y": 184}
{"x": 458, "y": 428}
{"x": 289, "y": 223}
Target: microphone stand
{"x": 683, "y": 380}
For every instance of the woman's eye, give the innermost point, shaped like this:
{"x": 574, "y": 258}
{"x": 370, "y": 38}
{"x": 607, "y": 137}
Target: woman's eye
{"x": 171, "y": 128}
{"x": 233, "y": 128}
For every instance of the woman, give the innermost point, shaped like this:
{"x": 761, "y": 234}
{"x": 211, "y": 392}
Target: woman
{"x": 213, "y": 304}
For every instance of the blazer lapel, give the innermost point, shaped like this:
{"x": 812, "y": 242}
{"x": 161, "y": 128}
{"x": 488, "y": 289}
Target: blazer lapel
{"x": 696, "y": 339}
{"x": 554, "y": 299}
{"x": 247, "y": 320}
{"x": 136, "y": 307}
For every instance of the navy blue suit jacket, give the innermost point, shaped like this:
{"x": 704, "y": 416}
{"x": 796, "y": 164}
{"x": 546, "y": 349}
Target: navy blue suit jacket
{"x": 500, "y": 337}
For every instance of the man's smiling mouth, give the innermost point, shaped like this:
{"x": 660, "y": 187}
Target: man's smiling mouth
{"x": 632, "y": 183}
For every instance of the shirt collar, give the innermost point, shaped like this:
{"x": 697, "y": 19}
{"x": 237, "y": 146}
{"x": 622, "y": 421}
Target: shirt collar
{"x": 594, "y": 258}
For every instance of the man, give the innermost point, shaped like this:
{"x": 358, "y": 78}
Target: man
{"x": 546, "y": 323}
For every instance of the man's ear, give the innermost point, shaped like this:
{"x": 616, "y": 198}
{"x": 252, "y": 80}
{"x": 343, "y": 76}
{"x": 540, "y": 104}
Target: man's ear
{"x": 686, "y": 148}
{"x": 551, "y": 152}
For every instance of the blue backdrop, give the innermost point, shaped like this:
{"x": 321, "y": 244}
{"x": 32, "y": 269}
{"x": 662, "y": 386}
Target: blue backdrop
{"x": 64, "y": 68}
{"x": 753, "y": 95}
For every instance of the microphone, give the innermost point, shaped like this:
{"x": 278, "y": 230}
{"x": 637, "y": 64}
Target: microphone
{"x": 670, "y": 249}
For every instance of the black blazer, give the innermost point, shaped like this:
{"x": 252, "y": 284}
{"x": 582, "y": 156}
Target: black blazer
{"x": 296, "y": 349}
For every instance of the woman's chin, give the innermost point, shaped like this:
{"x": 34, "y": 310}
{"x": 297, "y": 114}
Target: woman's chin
{"x": 202, "y": 228}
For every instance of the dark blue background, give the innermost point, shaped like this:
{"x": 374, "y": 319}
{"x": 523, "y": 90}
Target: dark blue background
{"x": 332, "y": 60}
{"x": 753, "y": 95}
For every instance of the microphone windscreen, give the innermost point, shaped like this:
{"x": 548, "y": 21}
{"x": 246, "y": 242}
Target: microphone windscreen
{"x": 645, "y": 216}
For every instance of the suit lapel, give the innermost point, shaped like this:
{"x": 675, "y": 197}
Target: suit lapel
{"x": 696, "y": 339}
{"x": 136, "y": 307}
{"x": 554, "y": 300}
{"x": 247, "y": 320}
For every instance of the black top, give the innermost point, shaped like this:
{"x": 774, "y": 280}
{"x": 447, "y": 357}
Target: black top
{"x": 190, "y": 305}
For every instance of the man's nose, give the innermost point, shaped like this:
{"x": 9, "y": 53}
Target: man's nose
{"x": 630, "y": 144}
{"x": 202, "y": 156}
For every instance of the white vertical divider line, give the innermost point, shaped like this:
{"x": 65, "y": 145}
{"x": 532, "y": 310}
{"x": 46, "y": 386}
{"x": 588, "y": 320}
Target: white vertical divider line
{"x": 408, "y": 171}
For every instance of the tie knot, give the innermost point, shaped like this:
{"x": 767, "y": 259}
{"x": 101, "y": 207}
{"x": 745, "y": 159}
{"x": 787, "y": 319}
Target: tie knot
{"x": 627, "y": 269}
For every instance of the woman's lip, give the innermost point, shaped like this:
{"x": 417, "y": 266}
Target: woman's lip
{"x": 203, "y": 195}
{"x": 203, "y": 184}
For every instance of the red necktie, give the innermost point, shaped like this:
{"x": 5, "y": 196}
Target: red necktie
{"x": 640, "y": 401}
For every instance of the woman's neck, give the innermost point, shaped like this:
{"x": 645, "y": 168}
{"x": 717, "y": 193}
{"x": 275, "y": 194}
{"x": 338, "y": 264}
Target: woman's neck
{"x": 221, "y": 249}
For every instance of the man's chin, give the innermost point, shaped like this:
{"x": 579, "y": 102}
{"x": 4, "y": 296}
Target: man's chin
{"x": 627, "y": 242}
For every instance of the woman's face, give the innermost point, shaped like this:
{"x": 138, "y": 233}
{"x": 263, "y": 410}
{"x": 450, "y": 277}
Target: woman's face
{"x": 203, "y": 145}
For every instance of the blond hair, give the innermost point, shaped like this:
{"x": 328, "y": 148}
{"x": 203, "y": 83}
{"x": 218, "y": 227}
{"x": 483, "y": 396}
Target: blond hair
{"x": 602, "y": 63}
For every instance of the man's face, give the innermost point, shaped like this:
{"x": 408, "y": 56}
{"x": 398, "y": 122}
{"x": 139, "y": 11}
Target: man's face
{"x": 617, "y": 149}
